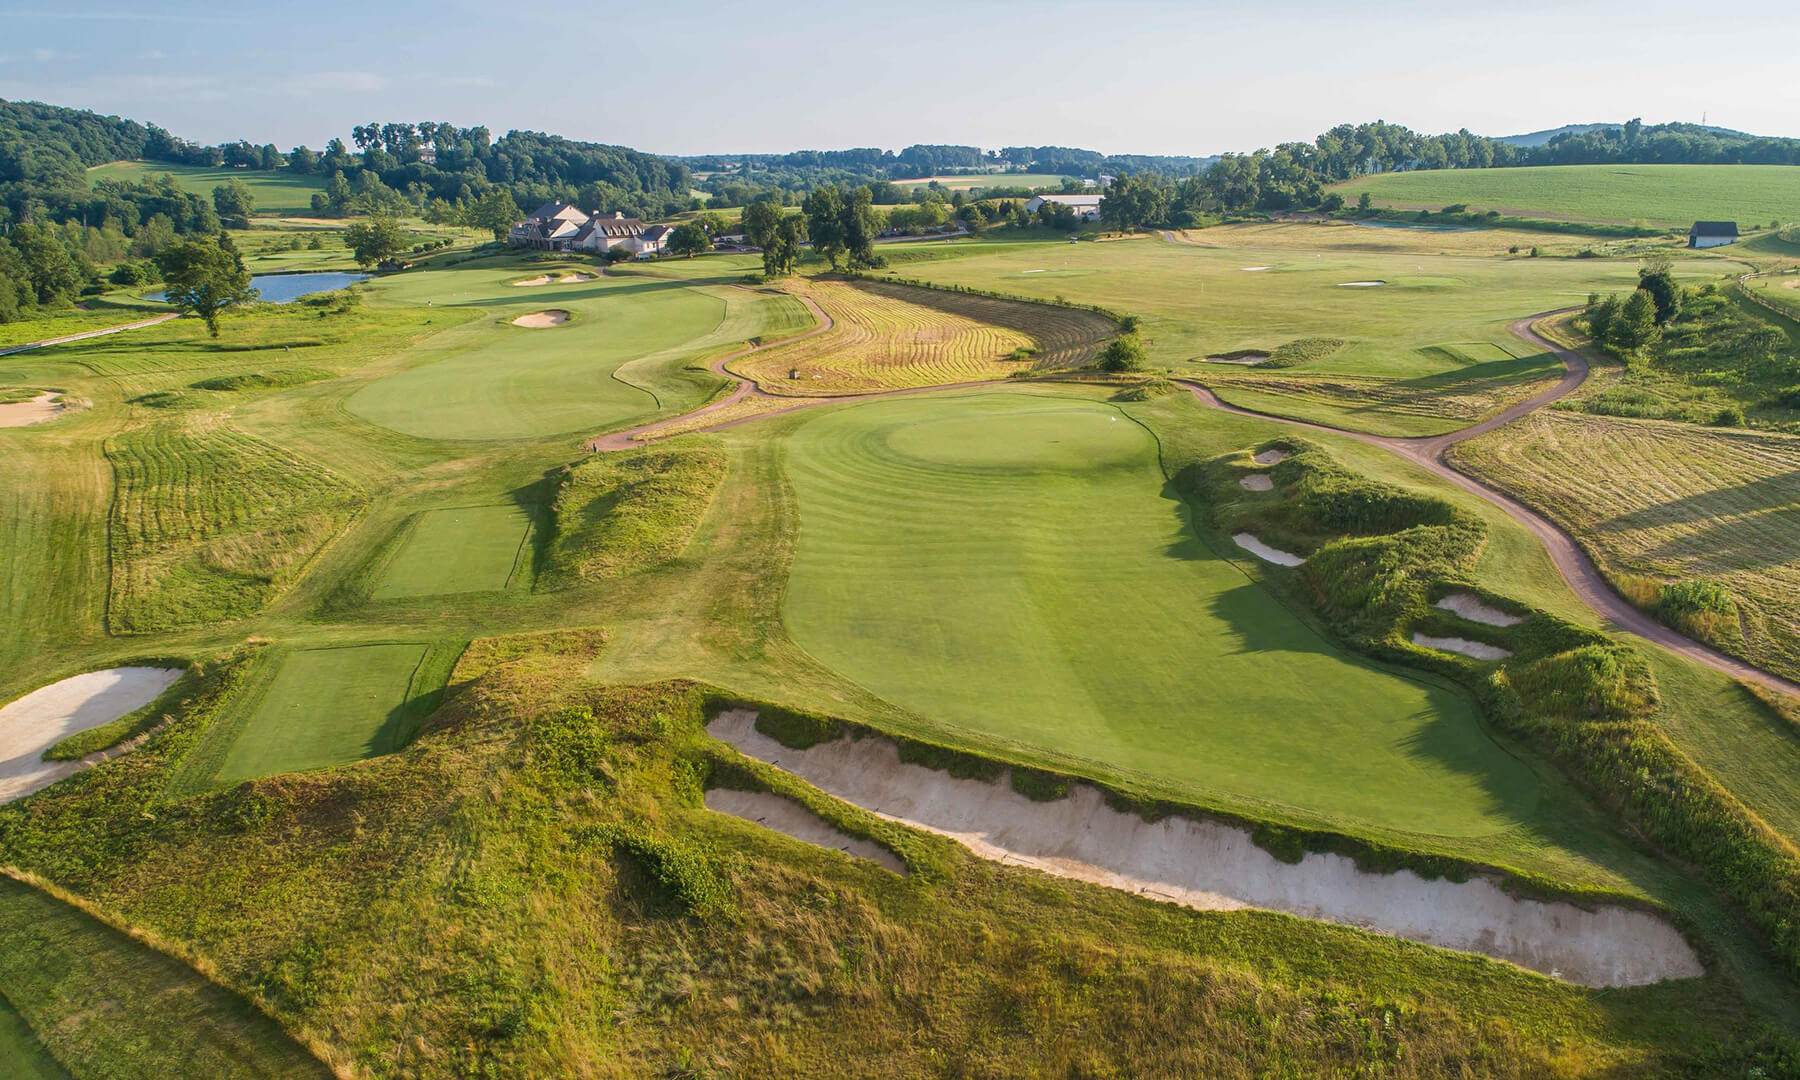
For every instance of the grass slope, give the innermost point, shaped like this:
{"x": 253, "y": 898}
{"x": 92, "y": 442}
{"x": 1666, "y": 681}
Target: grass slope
{"x": 109, "y": 1006}
{"x": 1659, "y": 194}
{"x": 625, "y": 512}
{"x": 1005, "y": 566}
{"x": 275, "y": 192}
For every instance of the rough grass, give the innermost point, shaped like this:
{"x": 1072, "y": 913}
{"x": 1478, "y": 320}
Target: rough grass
{"x": 210, "y": 523}
{"x": 1673, "y": 195}
{"x": 463, "y": 909}
{"x": 887, "y": 336}
{"x": 1669, "y": 503}
{"x": 618, "y": 513}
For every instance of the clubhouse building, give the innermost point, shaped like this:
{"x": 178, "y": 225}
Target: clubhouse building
{"x": 1086, "y": 207}
{"x": 557, "y": 226}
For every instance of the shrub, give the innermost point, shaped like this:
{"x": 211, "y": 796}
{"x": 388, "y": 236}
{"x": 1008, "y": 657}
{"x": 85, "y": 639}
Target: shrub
{"x": 1123, "y": 353}
{"x": 681, "y": 874}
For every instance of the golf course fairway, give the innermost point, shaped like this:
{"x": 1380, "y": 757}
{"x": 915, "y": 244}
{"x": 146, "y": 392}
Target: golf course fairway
{"x": 1008, "y": 563}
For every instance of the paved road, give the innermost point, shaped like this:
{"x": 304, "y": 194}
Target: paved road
{"x": 84, "y": 335}
{"x": 1576, "y": 567}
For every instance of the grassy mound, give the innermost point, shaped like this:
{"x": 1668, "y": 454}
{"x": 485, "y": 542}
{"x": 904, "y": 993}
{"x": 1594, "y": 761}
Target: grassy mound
{"x": 625, "y": 512}
{"x": 534, "y": 888}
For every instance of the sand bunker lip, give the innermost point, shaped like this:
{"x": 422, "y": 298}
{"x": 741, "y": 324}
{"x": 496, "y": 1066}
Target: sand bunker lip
{"x": 1251, "y": 360}
{"x": 1470, "y": 607}
{"x": 1212, "y": 866}
{"x": 539, "y": 320}
{"x": 787, "y": 816}
{"x": 1271, "y": 457}
{"x": 1265, "y": 552}
{"x": 1254, "y": 269}
{"x": 1258, "y": 481}
{"x": 45, "y": 407}
{"x": 1360, "y": 284}
{"x": 34, "y": 723}
{"x": 1480, "y": 650}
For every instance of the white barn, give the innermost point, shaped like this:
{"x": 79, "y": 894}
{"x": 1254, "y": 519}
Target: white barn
{"x": 1707, "y": 234}
{"x": 1086, "y": 207}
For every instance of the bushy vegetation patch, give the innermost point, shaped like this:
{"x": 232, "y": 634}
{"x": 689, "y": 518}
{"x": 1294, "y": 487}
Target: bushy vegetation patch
{"x": 681, "y": 874}
{"x": 618, "y": 513}
{"x": 1586, "y": 700}
{"x": 261, "y": 380}
{"x": 1301, "y": 351}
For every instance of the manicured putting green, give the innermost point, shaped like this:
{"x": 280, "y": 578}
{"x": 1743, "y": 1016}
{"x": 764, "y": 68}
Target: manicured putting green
{"x": 458, "y": 549}
{"x": 326, "y": 707}
{"x": 1010, "y": 564}
{"x": 489, "y": 379}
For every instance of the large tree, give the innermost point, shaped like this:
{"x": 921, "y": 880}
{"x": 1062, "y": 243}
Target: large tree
{"x": 494, "y": 211}
{"x": 689, "y": 239}
{"x": 234, "y": 203}
{"x": 204, "y": 278}
{"x": 375, "y": 240}
{"x": 824, "y": 210}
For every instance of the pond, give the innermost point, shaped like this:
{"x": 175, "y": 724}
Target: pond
{"x": 285, "y": 288}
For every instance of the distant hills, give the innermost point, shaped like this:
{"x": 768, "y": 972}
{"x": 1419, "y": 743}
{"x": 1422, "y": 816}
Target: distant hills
{"x": 1542, "y": 138}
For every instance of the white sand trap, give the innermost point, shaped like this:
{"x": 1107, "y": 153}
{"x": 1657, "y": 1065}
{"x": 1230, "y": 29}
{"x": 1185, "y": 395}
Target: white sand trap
{"x": 1252, "y": 360}
{"x": 1254, "y": 269}
{"x": 46, "y": 406}
{"x": 569, "y": 278}
{"x": 541, "y": 279}
{"x": 538, "y": 320}
{"x": 1256, "y": 481}
{"x": 1271, "y": 457}
{"x": 1031, "y": 271}
{"x": 1216, "y": 867}
{"x": 1265, "y": 552}
{"x": 50, "y": 714}
{"x": 1361, "y": 284}
{"x": 1480, "y": 650}
{"x": 787, "y": 816}
{"x": 1470, "y": 607}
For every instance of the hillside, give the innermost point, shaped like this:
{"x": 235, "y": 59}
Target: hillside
{"x": 1668, "y": 195}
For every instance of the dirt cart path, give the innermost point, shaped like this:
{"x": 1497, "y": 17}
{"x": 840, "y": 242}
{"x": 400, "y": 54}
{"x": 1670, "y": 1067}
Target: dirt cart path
{"x": 84, "y": 335}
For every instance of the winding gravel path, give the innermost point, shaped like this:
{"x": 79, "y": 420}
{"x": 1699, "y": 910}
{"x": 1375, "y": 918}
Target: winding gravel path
{"x": 1575, "y": 565}
{"x": 85, "y": 334}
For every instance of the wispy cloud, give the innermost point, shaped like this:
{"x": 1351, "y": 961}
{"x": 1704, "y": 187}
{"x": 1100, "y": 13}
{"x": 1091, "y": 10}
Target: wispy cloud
{"x": 355, "y": 82}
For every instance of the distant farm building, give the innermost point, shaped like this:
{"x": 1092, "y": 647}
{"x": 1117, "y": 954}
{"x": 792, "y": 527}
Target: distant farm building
{"x": 1707, "y": 234}
{"x": 558, "y": 226}
{"x": 1086, "y": 207}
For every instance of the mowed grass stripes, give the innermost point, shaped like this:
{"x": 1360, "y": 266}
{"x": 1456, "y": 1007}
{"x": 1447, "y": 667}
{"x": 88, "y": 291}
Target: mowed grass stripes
{"x": 1007, "y": 563}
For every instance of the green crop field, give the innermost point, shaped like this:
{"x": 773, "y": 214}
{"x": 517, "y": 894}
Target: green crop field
{"x": 457, "y": 549}
{"x": 275, "y": 192}
{"x": 1414, "y": 333}
{"x": 987, "y": 180}
{"x": 1673, "y": 195}
{"x": 1030, "y": 582}
{"x": 325, "y": 707}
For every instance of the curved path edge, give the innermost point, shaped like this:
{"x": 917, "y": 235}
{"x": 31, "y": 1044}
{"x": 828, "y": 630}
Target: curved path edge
{"x": 1576, "y": 566}
{"x": 85, "y": 334}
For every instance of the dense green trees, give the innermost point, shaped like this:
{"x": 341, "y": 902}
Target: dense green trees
{"x": 843, "y": 225}
{"x": 770, "y": 227}
{"x": 375, "y": 240}
{"x": 689, "y": 239}
{"x": 205, "y": 278}
{"x": 234, "y": 203}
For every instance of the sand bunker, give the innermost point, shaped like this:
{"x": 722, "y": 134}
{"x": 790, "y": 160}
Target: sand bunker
{"x": 1471, "y": 608}
{"x": 538, "y": 320}
{"x": 1271, "y": 457}
{"x": 1360, "y": 284}
{"x": 1254, "y": 269}
{"x": 46, "y": 406}
{"x": 1252, "y": 360}
{"x": 541, "y": 279}
{"x": 1480, "y": 650}
{"x": 1216, "y": 867}
{"x": 50, "y": 714}
{"x": 787, "y": 816}
{"x": 1257, "y": 481}
{"x": 569, "y": 278}
{"x": 1265, "y": 552}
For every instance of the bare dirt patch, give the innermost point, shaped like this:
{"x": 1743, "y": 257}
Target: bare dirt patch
{"x": 1255, "y": 269}
{"x": 1265, "y": 552}
{"x": 1480, "y": 650}
{"x": 46, "y": 406}
{"x": 1471, "y": 608}
{"x": 1212, "y": 866}
{"x": 46, "y": 716}
{"x": 787, "y": 816}
{"x": 1260, "y": 481}
{"x": 539, "y": 320}
{"x": 1271, "y": 457}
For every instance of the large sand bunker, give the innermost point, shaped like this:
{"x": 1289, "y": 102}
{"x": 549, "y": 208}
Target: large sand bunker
{"x": 1480, "y": 650}
{"x": 1254, "y": 269}
{"x": 46, "y": 716}
{"x": 787, "y": 816}
{"x": 1470, "y": 607}
{"x": 546, "y": 279}
{"x": 1265, "y": 552}
{"x": 1216, "y": 867}
{"x": 1256, "y": 481}
{"x": 538, "y": 320}
{"x": 46, "y": 406}
{"x": 1361, "y": 284}
{"x": 1249, "y": 360}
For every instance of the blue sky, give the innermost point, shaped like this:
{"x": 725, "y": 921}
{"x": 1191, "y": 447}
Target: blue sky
{"x": 689, "y": 77}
